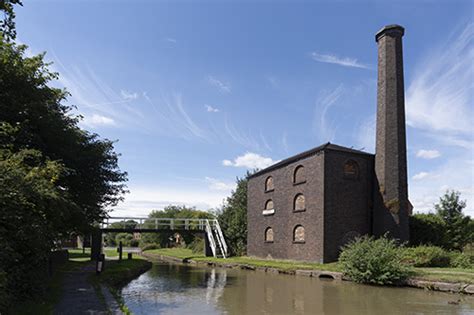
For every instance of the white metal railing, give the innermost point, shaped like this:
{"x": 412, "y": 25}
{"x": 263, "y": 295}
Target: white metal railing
{"x": 210, "y": 236}
{"x": 211, "y": 227}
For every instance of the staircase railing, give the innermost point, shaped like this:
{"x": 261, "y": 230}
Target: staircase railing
{"x": 210, "y": 236}
{"x": 221, "y": 239}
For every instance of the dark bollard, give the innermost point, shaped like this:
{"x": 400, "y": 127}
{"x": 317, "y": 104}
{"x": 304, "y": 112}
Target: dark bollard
{"x": 120, "y": 251}
{"x": 129, "y": 256}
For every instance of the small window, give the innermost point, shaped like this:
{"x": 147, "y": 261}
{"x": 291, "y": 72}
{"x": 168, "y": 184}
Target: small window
{"x": 299, "y": 203}
{"x": 269, "y": 235}
{"x": 269, "y": 184}
{"x": 269, "y": 205}
{"x": 351, "y": 169}
{"x": 298, "y": 234}
{"x": 299, "y": 176}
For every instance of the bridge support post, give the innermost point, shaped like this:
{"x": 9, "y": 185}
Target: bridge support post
{"x": 207, "y": 247}
{"x": 96, "y": 246}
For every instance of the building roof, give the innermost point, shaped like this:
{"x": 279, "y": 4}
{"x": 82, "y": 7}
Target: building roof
{"x": 305, "y": 154}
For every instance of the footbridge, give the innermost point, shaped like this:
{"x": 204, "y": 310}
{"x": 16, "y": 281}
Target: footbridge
{"x": 215, "y": 244}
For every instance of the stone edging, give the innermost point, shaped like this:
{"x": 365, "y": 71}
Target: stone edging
{"x": 413, "y": 282}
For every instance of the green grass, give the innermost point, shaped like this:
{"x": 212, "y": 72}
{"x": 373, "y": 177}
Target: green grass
{"x": 446, "y": 274}
{"x": 77, "y": 254}
{"x": 184, "y": 253}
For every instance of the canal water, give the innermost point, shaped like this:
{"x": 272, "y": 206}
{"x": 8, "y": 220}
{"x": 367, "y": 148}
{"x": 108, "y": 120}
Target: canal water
{"x": 170, "y": 288}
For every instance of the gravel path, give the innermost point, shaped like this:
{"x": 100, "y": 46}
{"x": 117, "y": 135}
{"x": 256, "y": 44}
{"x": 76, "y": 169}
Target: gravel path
{"x": 79, "y": 296}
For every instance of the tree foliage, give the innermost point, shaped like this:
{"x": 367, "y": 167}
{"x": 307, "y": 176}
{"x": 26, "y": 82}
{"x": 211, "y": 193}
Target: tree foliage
{"x": 427, "y": 229}
{"x": 459, "y": 227}
{"x": 171, "y": 212}
{"x": 55, "y": 178}
{"x": 233, "y": 218}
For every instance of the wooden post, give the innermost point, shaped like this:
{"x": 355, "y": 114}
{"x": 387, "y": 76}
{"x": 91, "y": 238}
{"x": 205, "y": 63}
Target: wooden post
{"x": 96, "y": 246}
{"x": 129, "y": 256}
{"x": 120, "y": 250}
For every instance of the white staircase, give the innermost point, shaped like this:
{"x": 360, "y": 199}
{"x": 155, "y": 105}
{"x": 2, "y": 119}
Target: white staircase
{"x": 216, "y": 239}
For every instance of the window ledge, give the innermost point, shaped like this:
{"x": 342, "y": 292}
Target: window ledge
{"x": 268, "y": 212}
{"x": 299, "y": 242}
{"x": 270, "y": 190}
{"x": 299, "y": 183}
{"x": 268, "y": 242}
{"x": 299, "y": 210}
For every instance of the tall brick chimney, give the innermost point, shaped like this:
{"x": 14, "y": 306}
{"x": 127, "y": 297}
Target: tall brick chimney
{"x": 391, "y": 205}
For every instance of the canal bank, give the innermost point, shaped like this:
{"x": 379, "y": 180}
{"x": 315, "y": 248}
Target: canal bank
{"x": 424, "y": 278}
{"x": 197, "y": 288}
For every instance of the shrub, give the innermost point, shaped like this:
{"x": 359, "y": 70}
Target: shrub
{"x": 375, "y": 261}
{"x": 427, "y": 229}
{"x": 197, "y": 246}
{"x": 150, "y": 246}
{"x": 462, "y": 260}
{"x": 426, "y": 256}
{"x": 134, "y": 243}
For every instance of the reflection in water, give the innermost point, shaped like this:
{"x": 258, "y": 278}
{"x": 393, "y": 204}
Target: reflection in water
{"x": 183, "y": 289}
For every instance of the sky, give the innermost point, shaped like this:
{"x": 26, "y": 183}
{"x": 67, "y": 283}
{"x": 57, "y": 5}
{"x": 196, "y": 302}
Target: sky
{"x": 198, "y": 92}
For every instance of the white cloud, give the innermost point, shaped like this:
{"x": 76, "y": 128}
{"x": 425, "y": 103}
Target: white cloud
{"x": 439, "y": 97}
{"x": 171, "y": 40}
{"x": 215, "y": 184}
{"x": 454, "y": 174}
{"x": 223, "y": 87}
{"x": 322, "y": 127}
{"x": 250, "y": 160}
{"x": 211, "y": 109}
{"x": 342, "y": 61}
{"x": 143, "y": 199}
{"x": 420, "y": 176}
{"x": 428, "y": 154}
{"x": 97, "y": 120}
{"x": 128, "y": 95}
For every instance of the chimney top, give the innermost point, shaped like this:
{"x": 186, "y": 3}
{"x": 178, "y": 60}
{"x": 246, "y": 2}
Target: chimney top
{"x": 392, "y": 29}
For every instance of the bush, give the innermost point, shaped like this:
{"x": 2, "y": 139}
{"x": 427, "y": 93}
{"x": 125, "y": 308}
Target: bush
{"x": 375, "y": 261}
{"x": 427, "y": 229}
{"x": 197, "y": 246}
{"x": 426, "y": 256}
{"x": 150, "y": 246}
{"x": 462, "y": 260}
{"x": 134, "y": 243}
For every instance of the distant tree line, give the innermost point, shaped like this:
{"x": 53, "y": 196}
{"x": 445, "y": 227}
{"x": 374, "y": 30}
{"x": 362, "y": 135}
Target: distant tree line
{"x": 55, "y": 178}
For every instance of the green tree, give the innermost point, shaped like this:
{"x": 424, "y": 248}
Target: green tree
{"x": 458, "y": 226}
{"x": 7, "y": 25}
{"x": 427, "y": 229}
{"x": 233, "y": 218}
{"x": 172, "y": 212}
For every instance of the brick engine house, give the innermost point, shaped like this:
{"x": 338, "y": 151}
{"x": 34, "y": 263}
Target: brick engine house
{"x": 309, "y": 205}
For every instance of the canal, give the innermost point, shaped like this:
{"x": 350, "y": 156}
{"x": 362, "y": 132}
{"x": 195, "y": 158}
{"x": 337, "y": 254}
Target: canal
{"x": 170, "y": 288}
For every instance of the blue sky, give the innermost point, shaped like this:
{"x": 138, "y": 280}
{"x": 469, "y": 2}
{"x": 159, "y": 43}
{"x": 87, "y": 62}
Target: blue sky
{"x": 197, "y": 92}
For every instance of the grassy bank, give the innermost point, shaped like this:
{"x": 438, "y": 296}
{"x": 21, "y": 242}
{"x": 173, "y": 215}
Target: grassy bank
{"x": 453, "y": 275}
{"x": 287, "y": 265}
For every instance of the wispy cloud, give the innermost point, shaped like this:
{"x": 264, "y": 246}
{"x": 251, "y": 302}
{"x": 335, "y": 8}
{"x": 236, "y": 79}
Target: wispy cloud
{"x": 97, "y": 120}
{"x": 250, "y": 160}
{"x": 211, "y": 109}
{"x": 244, "y": 139}
{"x": 171, "y": 40}
{"x": 341, "y": 61}
{"x": 428, "y": 154}
{"x": 323, "y": 128}
{"x": 215, "y": 184}
{"x": 128, "y": 95}
{"x": 439, "y": 97}
{"x": 365, "y": 134}
{"x": 420, "y": 176}
{"x": 284, "y": 142}
{"x": 222, "y": 86}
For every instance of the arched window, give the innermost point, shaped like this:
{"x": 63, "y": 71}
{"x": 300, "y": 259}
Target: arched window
{"x": 298, "y": 234}
{"x": 299, "y": 203}
{"x": 299, "y": 176}
{"x": 351, "y": 169}
{"x": 269, "y": 184}
{"x": 269, "y": 235}
{"x": 269, "y": 204}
